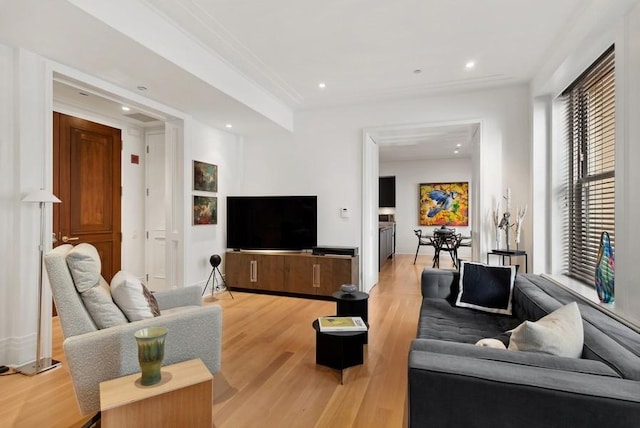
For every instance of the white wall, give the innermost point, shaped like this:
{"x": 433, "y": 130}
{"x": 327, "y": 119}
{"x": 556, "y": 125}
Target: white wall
{"x": 627, "y": 171}
{"x": 409, "y": 174}
{"x": 324, "y": 154}
{"x": 222, "y": 149}
{"x": 565, "y": 63}
{"x": 26, "y": 166}
{"x": 9, "y": 206}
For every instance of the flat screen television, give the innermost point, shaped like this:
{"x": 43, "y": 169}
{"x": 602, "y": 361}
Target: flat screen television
{"x": 272, "y": 222}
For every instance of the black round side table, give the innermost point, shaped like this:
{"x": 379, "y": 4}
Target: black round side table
{"x": 354, "y": 304}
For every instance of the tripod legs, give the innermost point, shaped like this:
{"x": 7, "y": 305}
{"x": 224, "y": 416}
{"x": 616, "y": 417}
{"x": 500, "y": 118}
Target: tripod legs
{"x": 224, "y": 281}
{"x": 213, "y": 283}
{"x": 207, "y": 283}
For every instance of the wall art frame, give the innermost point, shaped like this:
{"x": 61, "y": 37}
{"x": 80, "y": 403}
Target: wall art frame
{"x": 443, "y": 204}
{"x": 205, "y": 176}
{"x": 205, "y": 210}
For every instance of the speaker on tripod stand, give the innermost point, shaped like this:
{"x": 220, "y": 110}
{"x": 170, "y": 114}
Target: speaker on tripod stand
{"x": 215, "y": 261}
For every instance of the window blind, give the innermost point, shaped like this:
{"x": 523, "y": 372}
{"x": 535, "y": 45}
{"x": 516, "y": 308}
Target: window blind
{"x": 590, "y": 165}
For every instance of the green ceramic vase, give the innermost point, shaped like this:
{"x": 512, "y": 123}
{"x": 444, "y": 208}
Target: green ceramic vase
{"x": 150, "y": 353}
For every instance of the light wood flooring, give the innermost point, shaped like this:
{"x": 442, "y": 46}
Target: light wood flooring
{"x": 269, "y": 377}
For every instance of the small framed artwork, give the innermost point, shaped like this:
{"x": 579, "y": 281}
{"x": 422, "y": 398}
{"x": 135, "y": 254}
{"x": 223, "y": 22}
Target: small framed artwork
{"x": 205, "y": 176}
{"x": 205, "y": 210}
{"x": 444, "y": 204}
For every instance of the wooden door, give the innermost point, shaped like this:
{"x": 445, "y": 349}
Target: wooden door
{"x": 86, "y": 178}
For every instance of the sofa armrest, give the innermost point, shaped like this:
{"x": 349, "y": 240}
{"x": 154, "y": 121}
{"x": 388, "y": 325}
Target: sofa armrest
{"x": 453, "y": 389}
{"x": 111, "y": 353}
{"x": 438, "y": 282}
{"x": 187, "y": 296}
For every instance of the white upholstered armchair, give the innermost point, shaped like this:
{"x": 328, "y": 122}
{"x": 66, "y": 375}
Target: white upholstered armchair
{"x": 98, "y": 354}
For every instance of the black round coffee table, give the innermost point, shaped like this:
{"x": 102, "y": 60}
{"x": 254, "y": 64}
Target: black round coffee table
{"x": 339, "y": 349}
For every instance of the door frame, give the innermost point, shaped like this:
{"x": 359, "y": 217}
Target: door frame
{"x": 175, "y": 129}
{"x": 370, "y": 167}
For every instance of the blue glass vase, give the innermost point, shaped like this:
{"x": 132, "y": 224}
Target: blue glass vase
{"x": 605, "y": 270}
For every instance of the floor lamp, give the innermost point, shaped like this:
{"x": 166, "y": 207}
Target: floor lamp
{"x": 40, "y": 364}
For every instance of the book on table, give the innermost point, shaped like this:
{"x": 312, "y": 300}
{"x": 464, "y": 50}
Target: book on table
{"x": 328, "y": 324}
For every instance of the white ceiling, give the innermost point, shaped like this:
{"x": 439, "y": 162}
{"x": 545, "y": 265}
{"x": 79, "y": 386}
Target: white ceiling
{"x": 363, "y": 50}
{"x": 411, "y": 143}
{"x": 369, "y": 49}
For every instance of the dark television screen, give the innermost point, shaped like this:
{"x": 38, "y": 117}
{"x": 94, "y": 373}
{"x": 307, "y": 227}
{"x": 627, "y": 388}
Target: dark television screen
{"x": 272, "y": 222}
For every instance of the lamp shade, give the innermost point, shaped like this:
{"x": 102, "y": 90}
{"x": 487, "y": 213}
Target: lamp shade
{"x": 41, "y": 195}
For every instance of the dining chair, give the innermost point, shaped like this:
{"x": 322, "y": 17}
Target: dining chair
{"x": 422, "y": 240}
{"x": 447, "y": 240}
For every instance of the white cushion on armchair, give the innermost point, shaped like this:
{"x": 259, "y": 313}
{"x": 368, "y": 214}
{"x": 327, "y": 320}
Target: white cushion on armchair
{"x": 132, "y": 297}
{"x": 84, "y": 264}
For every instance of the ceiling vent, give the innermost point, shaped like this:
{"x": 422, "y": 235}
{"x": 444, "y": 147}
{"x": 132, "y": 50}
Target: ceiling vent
{"x": 141, "y": 117}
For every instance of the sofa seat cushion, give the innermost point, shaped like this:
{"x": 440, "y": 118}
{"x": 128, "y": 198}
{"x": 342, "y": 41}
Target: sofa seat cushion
{"x": 439, "y": 320}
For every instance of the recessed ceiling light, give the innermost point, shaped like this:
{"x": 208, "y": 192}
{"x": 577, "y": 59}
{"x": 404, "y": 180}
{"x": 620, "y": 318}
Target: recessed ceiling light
{"x": 456, "y": 151}
{"x": 322, "y": 85}
{"x": 417, "y": 71}
{"x": 458, "y": 145}
{"x": 228, "y": 125}
{"x": 142, "y": 88}
{"x": 470, "y": 64}
{"x": 125, "y": 108}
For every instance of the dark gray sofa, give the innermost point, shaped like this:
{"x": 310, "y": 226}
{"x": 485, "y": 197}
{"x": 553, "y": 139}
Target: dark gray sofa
{"x": 453, "y": 383}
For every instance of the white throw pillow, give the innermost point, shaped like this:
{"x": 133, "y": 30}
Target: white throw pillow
{"x": 132, "y": 297}
{"x": 84, "y": 264}
{"x": 491, "y": 343}
{"x": 558, "y": 333}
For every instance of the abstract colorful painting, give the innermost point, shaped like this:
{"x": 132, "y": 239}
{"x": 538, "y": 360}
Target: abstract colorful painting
{"x": 205, "y": 176}
{"x": 444, "y": 204}
{"x": 205, "y": 210}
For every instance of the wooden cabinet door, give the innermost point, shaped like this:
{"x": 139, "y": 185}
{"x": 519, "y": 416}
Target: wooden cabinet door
{"x": 301, "y": 273}
{"x": 335, "y": 271}
{"x": 254, "y": 271}
{"x": 268, "y": 272}
{"x": 237, "y": 269}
